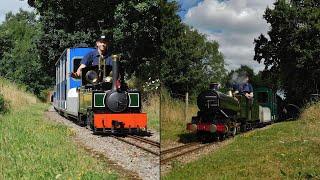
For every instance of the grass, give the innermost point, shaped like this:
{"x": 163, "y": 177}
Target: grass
{"x": 151, "y": 106}
{"x": 33, "y": 148}
{"x": 288, "y": 150}
{"x": 16, "y": 95}
{"x": 173, "y": 120}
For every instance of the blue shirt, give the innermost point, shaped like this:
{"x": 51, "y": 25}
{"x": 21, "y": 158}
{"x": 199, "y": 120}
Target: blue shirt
{"x": 92, "y": 59}
{"x": 245, "y": 87}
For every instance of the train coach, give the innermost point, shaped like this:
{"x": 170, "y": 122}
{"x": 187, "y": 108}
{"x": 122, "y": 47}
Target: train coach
{"x": 100, "y": 99}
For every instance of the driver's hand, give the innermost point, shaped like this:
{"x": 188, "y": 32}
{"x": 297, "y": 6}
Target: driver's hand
{"x": 74, "y": 75}
{"x": 247, "y": 95}
{"x": 78, "y": 73}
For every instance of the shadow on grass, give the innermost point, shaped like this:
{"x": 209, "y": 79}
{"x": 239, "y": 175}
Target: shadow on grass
{"x": 188, "y": 138}
{"x": 203, "y": 138}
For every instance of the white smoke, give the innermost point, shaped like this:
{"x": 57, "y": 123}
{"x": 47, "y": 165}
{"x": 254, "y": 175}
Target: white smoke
{"x": 238, "y": 78}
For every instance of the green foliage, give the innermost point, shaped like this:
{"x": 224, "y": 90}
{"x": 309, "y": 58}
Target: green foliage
{"x": 44, "y": 95}
{"x": 136, "y": 35}
{"x": 19, "y": 56}
{"x": 291, "y": 53}
{"x": 189, "y": 61}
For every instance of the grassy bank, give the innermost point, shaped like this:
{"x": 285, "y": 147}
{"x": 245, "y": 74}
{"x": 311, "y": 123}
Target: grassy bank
{"x": 15, "y": 95}
{"x": 284, "y": 150}
{"x": 33, "y": 148}
{"x": 173, "y": 119}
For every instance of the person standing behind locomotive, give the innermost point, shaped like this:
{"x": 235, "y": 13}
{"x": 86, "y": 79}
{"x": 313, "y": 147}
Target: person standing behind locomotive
{"x": 246, "y": 88}
{"x": 92, "y": 58}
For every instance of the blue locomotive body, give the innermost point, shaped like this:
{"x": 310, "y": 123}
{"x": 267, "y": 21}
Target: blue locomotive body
{"x": 65, "y": 88}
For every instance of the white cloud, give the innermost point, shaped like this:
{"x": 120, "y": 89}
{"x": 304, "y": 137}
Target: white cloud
{"x": 13, "y": 6}
{"x": 234, "y": 24}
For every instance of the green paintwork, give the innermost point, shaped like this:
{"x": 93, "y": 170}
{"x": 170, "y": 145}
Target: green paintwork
{"x": 134, "y": 99}
{"x": 248, "y": 111}
{"x": 227, "y": 102}
{"x": 99, "y": 99}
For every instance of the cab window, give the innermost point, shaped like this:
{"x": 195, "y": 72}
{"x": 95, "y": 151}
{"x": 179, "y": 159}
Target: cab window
{"x": 76, "y": 64}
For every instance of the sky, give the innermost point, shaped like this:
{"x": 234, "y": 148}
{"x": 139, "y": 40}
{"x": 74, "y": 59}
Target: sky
{"x": 233, "y": 23}
{"x": 13, "y": 6}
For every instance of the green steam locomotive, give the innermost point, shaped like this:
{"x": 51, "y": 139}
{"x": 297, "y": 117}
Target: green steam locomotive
{"x": 221, "y": 115}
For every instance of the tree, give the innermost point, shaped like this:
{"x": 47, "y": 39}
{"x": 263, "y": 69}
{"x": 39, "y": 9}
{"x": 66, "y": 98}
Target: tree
{"x": 291, "y": 53}
{"x": 19, "y": 58}
{"x": 189, "y": 61}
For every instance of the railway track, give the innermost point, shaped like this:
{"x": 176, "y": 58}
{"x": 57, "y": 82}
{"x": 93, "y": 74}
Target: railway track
{"x": 139, "y": 140}
{"x": 145, "y": 140}
{"x": 172, "y": 153}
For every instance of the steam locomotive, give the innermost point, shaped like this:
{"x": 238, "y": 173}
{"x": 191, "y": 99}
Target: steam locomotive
{"x": 99, "y": 100}
{"x": 222, "y": 115}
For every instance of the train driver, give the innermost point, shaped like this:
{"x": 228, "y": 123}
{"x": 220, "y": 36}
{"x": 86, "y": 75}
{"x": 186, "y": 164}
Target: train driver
{"x": 92, "y": 58}
{"x": 246, "y": 88}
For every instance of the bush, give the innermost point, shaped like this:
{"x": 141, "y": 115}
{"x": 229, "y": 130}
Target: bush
{"x": 45, "y": 95}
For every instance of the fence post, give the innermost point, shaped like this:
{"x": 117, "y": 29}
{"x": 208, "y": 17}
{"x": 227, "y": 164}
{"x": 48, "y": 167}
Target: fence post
{"x": 186, "y": 108}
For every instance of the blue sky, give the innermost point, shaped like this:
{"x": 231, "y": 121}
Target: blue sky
{"x": 185, "y": 5}
{"x": 233, "y": 23}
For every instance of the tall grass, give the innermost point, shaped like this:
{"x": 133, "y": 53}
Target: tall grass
{"x": 173, "y": 117}
{"x": 152, "y": 107}
{"x": 287, "y": 150}
{"x": 15, "y": 94}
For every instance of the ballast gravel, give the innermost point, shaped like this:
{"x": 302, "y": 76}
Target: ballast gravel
{"x": 136, "y": 163}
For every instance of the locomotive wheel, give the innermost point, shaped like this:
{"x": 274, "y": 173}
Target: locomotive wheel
{"x": 233, "y": 131}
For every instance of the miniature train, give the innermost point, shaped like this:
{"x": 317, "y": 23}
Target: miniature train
{"x": 221, "y": 115}
{"x": 100, "y": 99}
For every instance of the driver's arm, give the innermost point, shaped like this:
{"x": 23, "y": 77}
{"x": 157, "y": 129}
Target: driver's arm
{"x": 80, "y": 68}
{"x": 249, "y": 95}
{"x": 83, "y": 63}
